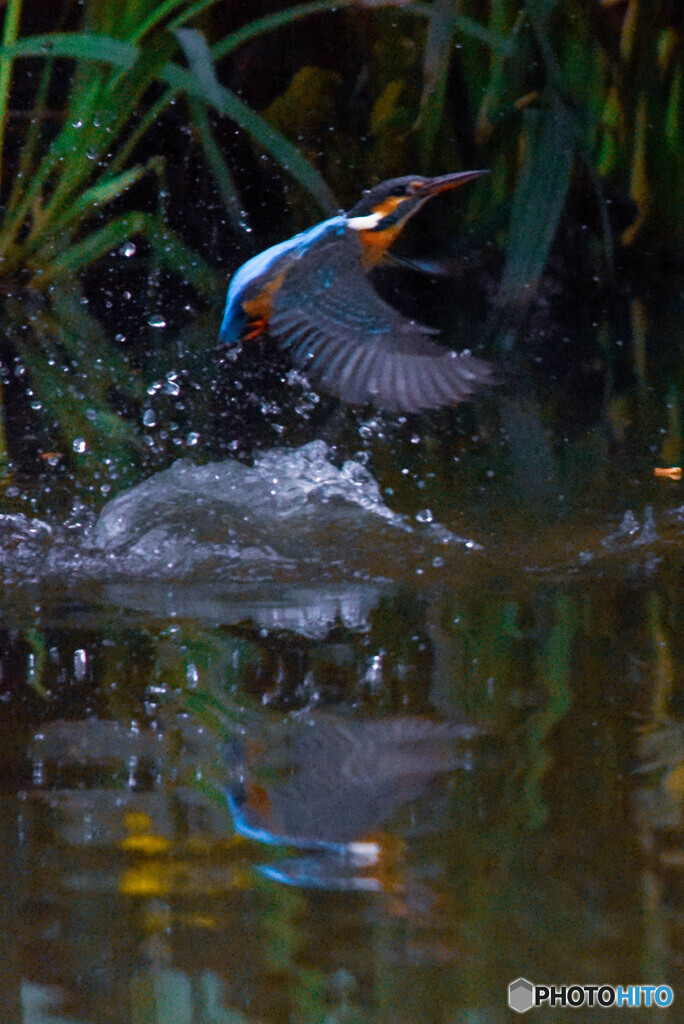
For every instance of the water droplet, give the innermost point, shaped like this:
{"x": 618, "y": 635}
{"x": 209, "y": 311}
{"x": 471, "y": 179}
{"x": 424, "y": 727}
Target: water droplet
{"x": 128, "y": 249}
{"x": 149, "y": 418}
{"x": 156, "y": 320}
{"x": 424, "y": 516}
{"x": 79, "y": 445}
{"x": 192, "y": 439}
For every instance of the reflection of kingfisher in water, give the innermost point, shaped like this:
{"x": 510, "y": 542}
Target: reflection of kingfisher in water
{"x": 324, "y": 780}
{"x": 312, "y": 294}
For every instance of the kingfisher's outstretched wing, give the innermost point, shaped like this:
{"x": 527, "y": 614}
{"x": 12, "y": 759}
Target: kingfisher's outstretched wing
{"x": 353, "y": 344}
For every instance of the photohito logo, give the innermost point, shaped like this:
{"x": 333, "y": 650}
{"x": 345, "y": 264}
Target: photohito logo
{"x": 523, "y": 995}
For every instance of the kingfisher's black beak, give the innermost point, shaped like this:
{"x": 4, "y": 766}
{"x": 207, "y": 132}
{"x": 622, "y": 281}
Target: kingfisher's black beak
{"x": 433, "y": 186}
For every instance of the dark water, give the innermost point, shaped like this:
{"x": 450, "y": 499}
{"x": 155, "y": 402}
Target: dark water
{"x": 284, "y": 743}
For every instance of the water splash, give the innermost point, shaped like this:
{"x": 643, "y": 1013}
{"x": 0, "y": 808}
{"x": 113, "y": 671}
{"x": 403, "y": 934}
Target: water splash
{"x": 292, "y": 516}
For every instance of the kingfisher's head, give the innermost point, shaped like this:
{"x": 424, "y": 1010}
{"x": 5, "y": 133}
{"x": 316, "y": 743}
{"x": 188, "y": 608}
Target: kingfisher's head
{"x": 382, "y": 212}
{"x": 393, "y": 202}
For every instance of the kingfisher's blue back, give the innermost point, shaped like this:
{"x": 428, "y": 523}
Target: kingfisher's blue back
{"x": 256, "y": 273}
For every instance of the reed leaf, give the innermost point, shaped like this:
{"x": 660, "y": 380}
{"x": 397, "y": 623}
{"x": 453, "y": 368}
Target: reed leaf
{"x": 81, "y": 254}
{"x": 436, "y": 60}
{"x": 106, "y": 435}
{"x": 466, "y": 26}
{"x": 218, "y": 167}
{"x": 10, "y": 32}
{"x": 29, "y": 150}
{"x": 199, "y": 58}
{"x": 81, "y": 336}
{"x": 174, "y": 253}
{"x": 75, "y": 45}
{"x": 549, "y": 140}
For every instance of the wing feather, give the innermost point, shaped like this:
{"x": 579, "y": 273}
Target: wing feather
{"x": 354, "y": 345}
{"x": 437, "y": 383}
{"x": 404, "y": 384}
{"x": 421, "y": 386}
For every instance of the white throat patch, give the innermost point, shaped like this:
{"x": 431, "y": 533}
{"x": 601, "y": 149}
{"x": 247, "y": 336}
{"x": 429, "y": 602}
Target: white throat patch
{"x": 366, "y": 223}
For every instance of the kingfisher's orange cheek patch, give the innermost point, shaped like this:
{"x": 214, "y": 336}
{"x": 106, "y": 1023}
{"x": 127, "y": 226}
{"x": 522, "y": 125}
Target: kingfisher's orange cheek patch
{"x": 389, "y": 205}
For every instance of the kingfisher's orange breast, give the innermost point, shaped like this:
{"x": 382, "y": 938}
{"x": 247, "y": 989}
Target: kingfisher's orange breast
{"x": 374, "y": 245}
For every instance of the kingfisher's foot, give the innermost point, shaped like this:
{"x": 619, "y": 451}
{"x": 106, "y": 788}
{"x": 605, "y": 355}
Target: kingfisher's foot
{"x": 254, "y": 329}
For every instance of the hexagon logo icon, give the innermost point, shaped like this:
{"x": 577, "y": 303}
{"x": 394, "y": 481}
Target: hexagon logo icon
{"x": 521, "y": 995}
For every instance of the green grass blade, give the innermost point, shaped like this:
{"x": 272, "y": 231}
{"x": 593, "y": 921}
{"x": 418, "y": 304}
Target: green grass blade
{"x": 198, "y": 55}
{"x": 29, "y": 149}
{"x": 436, "y": 62}
{"x": 11, "y": 225}
{"x": 69, "y": 158}
{"x": 78, "y": 45}
{"x": 506, "y": 80}
{"x": 133, "y": 138}
{"x": 10, "y": 32}
{"x": 179, "y": 257}
{"x": 539, "y": 196}
{"x": 83, "y": 339}
{"x": 81, "y": 254}
{"x": 106, "y": 190}
{"x": 217, "y": 165}
{"x": 107, "y": 436}
{"x": 159, "y": 15}
{"x": 169, "y": 248}
{"x": 467, "y": 27}
{"x": 126, "y": 88}
{"x": 199, "y": 58}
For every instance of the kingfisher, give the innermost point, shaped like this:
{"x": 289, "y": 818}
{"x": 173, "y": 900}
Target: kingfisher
{"x": 313, "y": 295}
